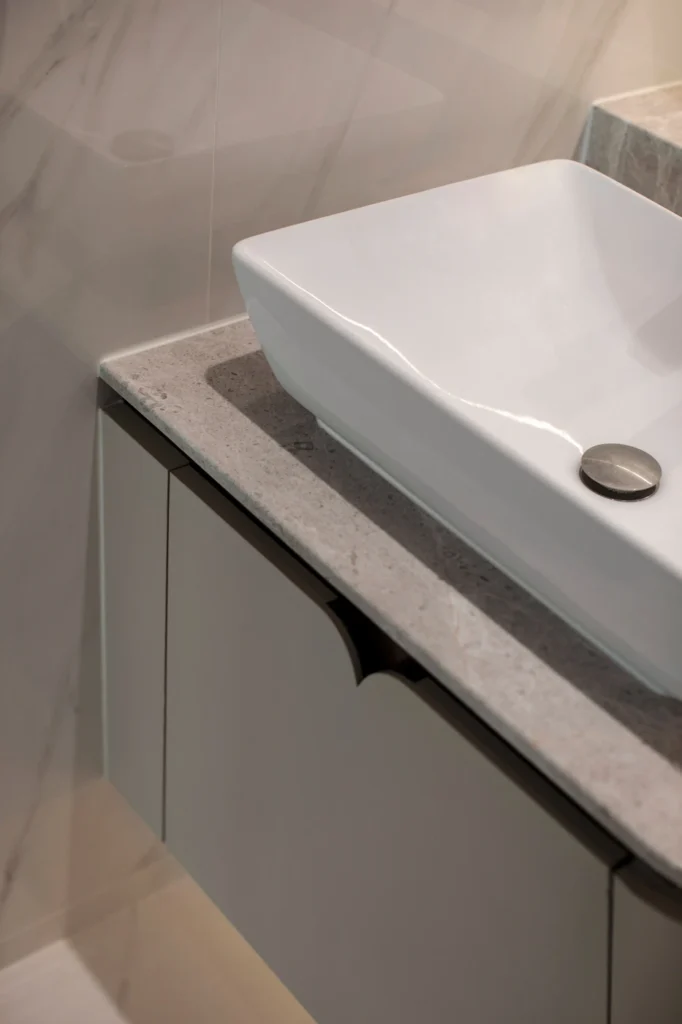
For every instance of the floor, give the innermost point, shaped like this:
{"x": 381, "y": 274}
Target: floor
{"x": 53, "y": 985}
{"x": 151, "y": 949}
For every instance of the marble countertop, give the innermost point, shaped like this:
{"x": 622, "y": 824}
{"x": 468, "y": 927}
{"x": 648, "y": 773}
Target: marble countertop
{"x": 657, "y": 111}
{"x": 637, "y": 139}
{"x": 601, "y": 736}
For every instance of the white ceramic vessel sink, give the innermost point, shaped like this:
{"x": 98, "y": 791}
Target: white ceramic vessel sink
{"x": 470, "y": 342}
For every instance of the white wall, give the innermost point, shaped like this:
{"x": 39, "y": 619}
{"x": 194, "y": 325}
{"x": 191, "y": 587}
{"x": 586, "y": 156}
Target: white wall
{"x": 138, "y": 140}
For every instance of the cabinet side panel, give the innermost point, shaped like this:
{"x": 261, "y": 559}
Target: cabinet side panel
{"x": 134, "y": 490}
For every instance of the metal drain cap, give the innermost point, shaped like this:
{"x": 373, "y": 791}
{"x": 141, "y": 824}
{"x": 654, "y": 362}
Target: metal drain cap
{"x": 620, "y": 471}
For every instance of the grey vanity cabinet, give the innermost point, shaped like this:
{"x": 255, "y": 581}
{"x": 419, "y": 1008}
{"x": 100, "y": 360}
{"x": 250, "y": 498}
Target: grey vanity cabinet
{"x": 388, "y": 857}
{"x": 367, "y": 839}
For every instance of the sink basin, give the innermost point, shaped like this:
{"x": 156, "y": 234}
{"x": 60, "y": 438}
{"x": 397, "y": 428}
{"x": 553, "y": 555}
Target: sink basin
{"x": 470, "y": 342}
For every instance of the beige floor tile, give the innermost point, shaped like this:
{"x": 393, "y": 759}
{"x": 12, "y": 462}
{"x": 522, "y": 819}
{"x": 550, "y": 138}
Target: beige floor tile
{"x": 173, "y": 957}
{"x": 53, "y": 986}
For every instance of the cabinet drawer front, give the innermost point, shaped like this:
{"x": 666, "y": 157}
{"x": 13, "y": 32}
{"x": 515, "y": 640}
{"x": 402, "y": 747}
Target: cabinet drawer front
{"x": 254, "y": 660}
{"x": 425, "y": 885}
{"x": 381, "y": 864}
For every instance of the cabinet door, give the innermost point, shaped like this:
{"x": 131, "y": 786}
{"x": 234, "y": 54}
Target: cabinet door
{"x": 454, "y": 895}
{"x": 382, "y": 865}
{"x": 647, "y": 957}
{"x": 254, "y": 663}
{"x": 134, "y": 465}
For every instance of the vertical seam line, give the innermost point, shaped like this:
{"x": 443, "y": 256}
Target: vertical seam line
{"x": 101, "y": 559}
{"x": 609, "y": 951}
{"x": 211, "y": 205}
{"x": 164, "y": 744}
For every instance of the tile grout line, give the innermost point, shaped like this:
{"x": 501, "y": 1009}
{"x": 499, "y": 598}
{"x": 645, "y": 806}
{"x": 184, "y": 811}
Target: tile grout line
{"x": 211, "y": 205}
{"x": 334, "y": 149}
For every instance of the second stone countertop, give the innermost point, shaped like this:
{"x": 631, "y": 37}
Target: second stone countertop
{"x": 602, "y": 737}
{"x": 636, "y": 138}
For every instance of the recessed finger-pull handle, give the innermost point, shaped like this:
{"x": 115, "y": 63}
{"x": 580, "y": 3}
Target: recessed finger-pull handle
{"x": 372, "y": 650}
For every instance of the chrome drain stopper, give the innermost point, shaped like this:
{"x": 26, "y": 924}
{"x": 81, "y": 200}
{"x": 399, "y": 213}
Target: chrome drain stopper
{"x": 620, "y": 471}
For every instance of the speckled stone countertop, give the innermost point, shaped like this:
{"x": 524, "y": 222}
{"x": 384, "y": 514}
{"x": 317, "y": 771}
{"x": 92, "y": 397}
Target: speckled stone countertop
{"x": 608, "y": 742}
{"x": 637, "y": 139}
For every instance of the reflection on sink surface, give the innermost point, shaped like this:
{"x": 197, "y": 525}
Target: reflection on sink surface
{"x": 471, "y": 342}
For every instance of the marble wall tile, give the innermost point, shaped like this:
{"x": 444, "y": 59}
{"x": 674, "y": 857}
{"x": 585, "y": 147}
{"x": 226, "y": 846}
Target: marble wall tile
{"x": 291, "y": 73}
{"x": 108, "y": 131}
{"x": 107, "y": 114}
{"x": 356, "y": 102}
